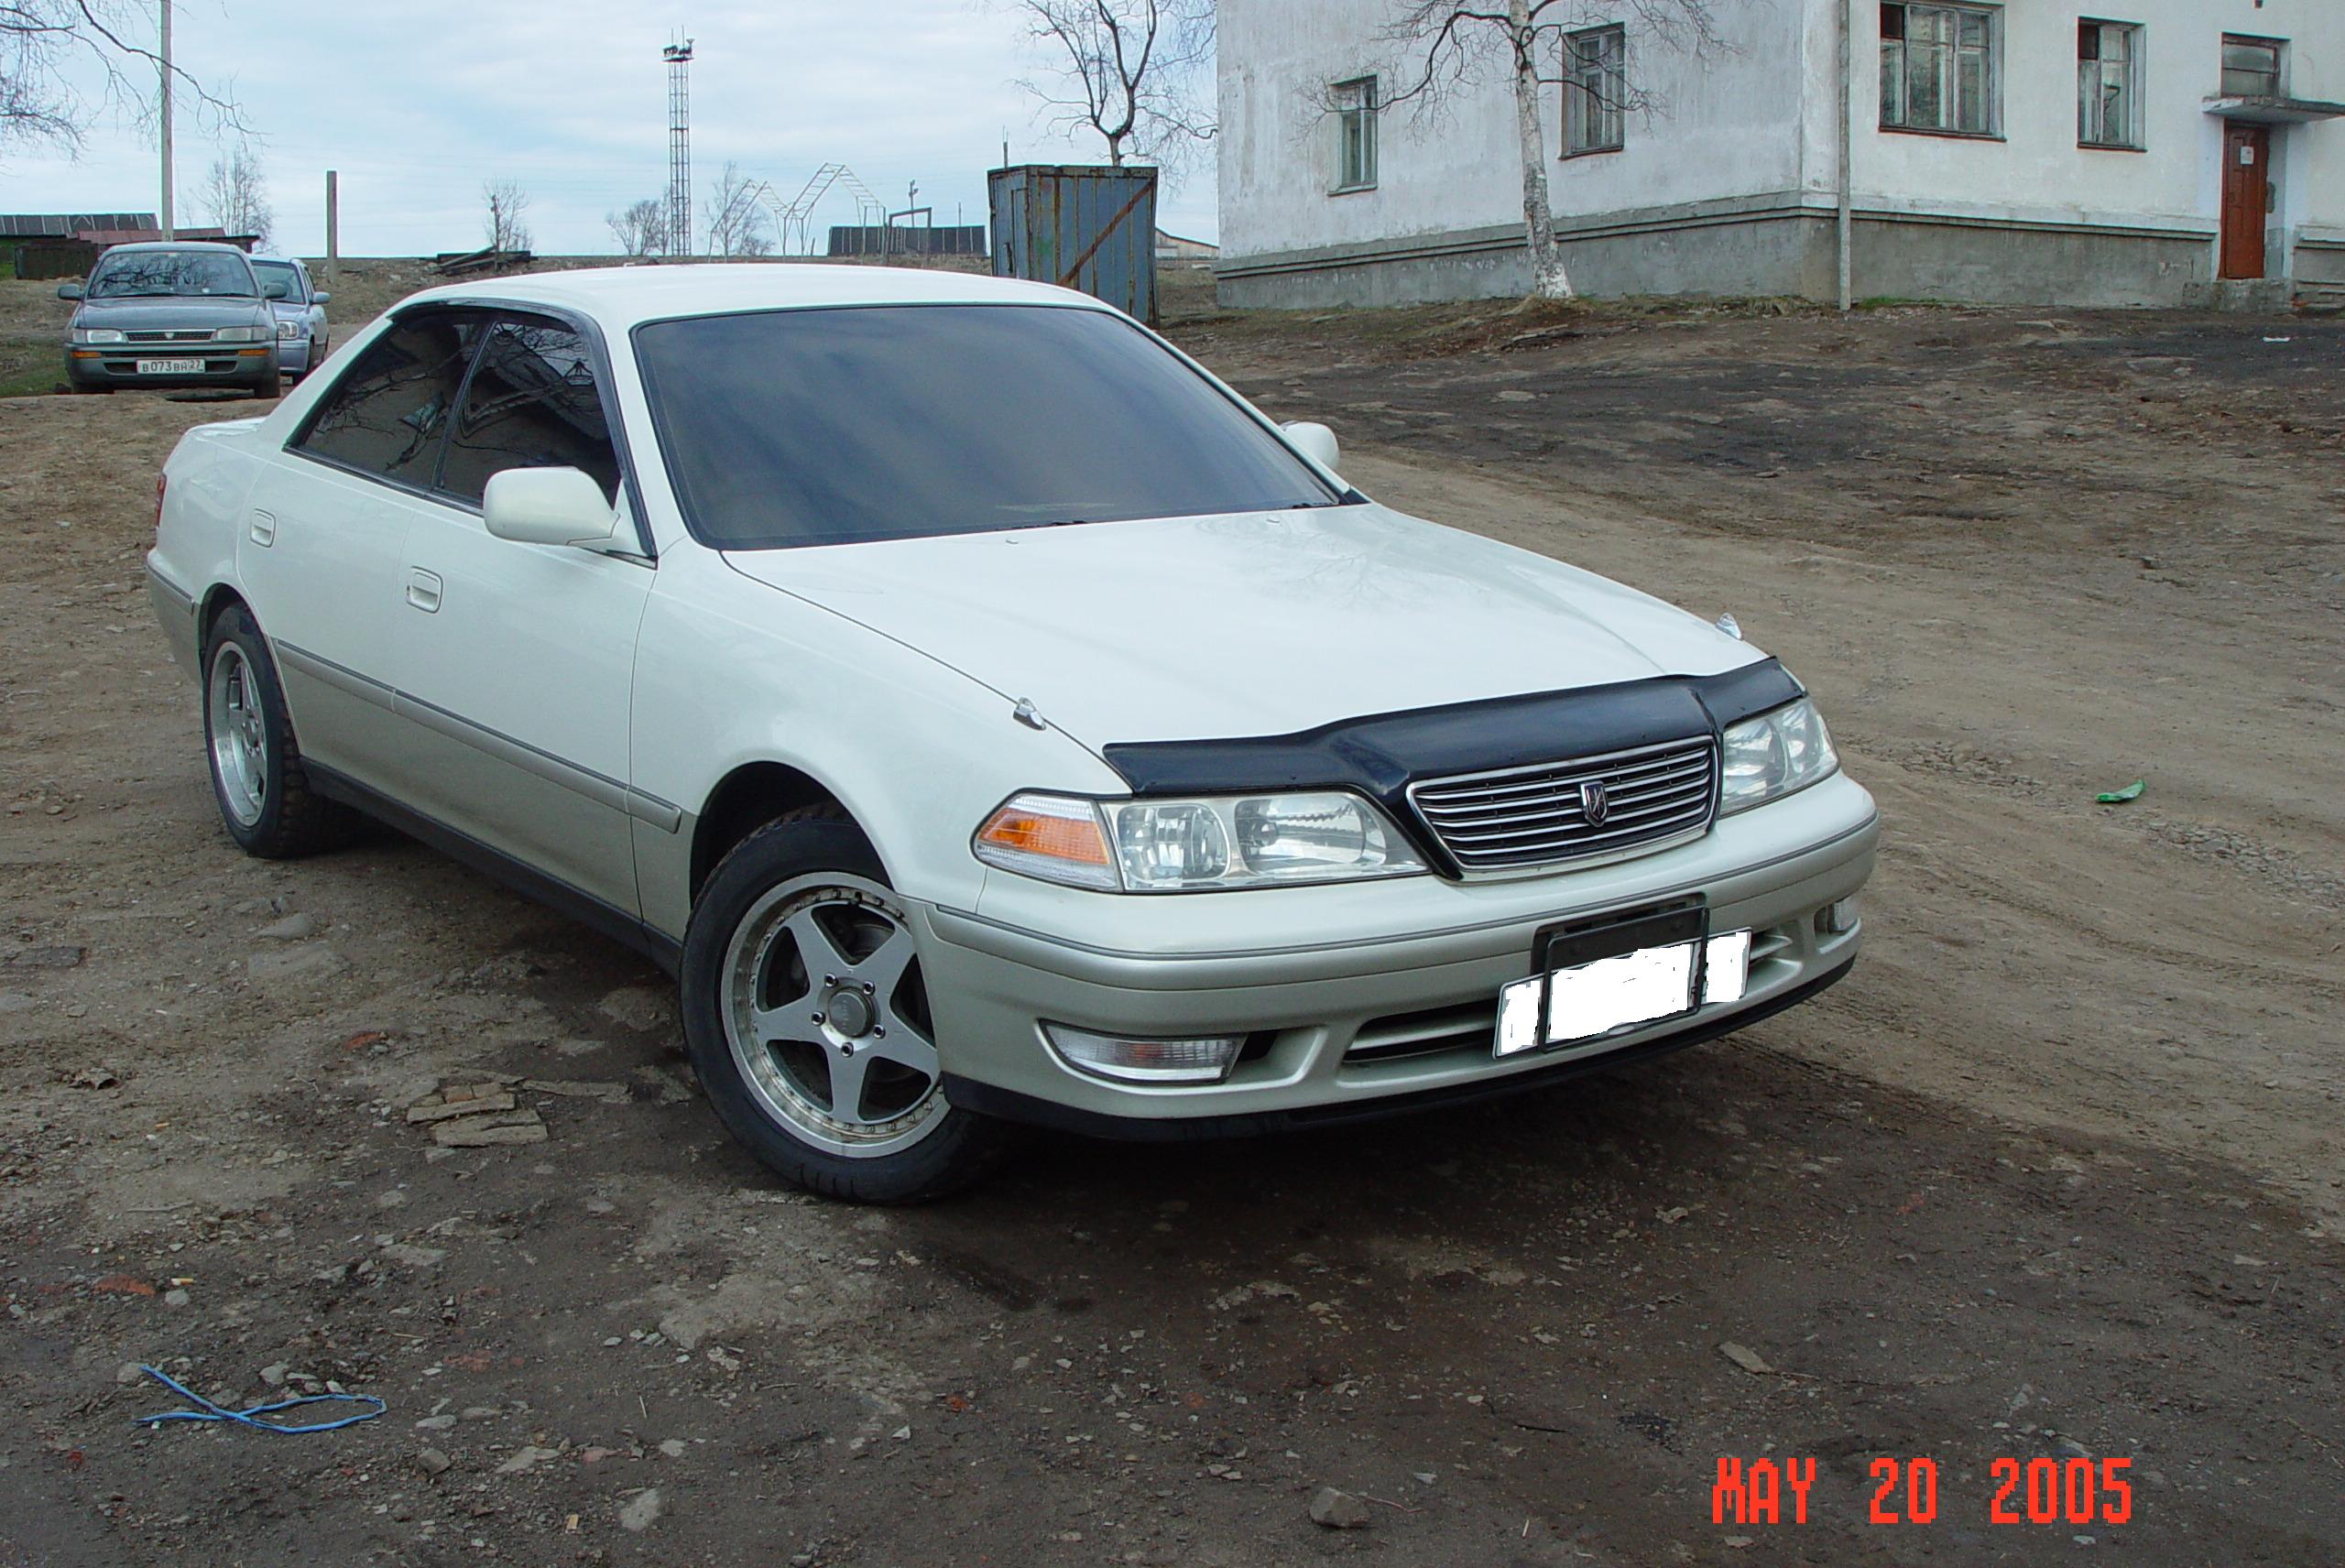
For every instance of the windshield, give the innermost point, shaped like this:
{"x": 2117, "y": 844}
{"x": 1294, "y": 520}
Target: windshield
{"x": 873, "y": 422}
{"x": 280, "y": 272}
{"x": 126, "y": 274}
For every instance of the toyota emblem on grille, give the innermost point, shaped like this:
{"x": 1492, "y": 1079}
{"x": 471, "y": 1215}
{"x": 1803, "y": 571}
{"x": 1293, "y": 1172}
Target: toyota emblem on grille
{"x": 1593, "y": 804}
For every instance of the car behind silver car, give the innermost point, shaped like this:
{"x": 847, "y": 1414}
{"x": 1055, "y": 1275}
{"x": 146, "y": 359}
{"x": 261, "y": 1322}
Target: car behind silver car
{"x": 171, "y": 315}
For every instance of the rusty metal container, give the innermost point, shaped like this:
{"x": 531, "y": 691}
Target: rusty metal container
{"x": 1080, "y": 226}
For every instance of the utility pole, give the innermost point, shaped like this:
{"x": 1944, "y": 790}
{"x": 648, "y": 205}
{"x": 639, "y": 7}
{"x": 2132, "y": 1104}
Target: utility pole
{"x": 169, "y": 233}
{"x": 333, "y": 230}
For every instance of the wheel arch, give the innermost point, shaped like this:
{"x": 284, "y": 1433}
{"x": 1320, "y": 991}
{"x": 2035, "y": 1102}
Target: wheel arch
{"x": 218, "y": 599}
{"x": 750, "y": 796}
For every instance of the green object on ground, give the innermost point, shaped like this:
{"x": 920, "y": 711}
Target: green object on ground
{"x": 2118, "y": 797}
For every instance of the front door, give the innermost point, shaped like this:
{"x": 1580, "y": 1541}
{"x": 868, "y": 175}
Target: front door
{"x": 2247, "y": 197}
{"x": 516, "y": 662}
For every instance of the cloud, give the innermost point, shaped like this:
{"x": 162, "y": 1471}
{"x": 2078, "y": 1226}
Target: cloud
{"x": 415, "y": 105}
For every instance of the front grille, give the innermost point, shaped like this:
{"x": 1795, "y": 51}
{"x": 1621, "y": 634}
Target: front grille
{"x": 196, "y": 334}
{"x": 1537, "y": 816}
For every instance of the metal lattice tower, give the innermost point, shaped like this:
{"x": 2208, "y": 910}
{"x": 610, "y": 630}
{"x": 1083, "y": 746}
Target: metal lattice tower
{"x": 679, "y": 56}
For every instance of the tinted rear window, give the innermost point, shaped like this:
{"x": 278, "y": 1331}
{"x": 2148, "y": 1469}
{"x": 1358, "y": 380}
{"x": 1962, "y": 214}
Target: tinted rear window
{"x": 837, "y": 426}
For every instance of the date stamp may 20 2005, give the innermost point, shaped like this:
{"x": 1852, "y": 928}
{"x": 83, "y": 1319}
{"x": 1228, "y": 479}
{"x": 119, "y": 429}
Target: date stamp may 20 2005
{"x": 2039, "y": 1491}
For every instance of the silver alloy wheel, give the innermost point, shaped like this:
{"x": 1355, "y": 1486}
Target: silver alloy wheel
{"x": 239, "y": 734}
{"x": 826, "y": 1018}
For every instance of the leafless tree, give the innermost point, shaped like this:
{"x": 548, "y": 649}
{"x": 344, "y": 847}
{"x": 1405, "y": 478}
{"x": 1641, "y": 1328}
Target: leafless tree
{"x": 63, "y": 63}
{"x": 641, "y": 227}
{"x": 1138, "y": 73}
{"x": 736, "y": 224}
{"x": 507, "y": 203}
{"x": 236, "y": 195}
{"x": 1442, "y": 48}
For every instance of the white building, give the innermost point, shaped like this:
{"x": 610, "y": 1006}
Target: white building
{"x": 2040, "y": 151}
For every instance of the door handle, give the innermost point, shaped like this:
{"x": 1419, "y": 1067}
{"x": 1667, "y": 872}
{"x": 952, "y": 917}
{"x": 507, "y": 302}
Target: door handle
{"x": 423, "y": 589}
{"x": 263, "y": 528}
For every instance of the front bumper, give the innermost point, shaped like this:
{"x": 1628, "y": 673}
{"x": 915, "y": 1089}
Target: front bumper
{"x": 293, "y": 356}
{"x": 1355, "y": 1028}
{"x": 241, "y": 364}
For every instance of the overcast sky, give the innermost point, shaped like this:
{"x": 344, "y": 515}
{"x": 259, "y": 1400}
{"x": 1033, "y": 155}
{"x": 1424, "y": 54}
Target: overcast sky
{"x": 417, "y": 104}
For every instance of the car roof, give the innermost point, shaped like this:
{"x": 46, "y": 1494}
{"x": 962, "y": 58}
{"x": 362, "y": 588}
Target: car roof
{"x": 622, "y": 297}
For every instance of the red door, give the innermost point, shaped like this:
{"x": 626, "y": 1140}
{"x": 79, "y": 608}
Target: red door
{"x": 2247, "y": 198}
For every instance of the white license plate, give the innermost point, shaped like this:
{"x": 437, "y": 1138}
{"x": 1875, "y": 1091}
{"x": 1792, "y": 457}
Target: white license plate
{"x": 1588, "y": 1001}
{"x": 170, "y": 367}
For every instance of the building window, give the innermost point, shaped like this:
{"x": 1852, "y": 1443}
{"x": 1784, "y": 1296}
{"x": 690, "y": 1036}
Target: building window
{"x": 2109, "y": 84}
{"x": 2252, "y": 68}
{"x": 1355, "y": 135}
{"x": 1937, "y": 69}
{"x": 1596, "y": 89}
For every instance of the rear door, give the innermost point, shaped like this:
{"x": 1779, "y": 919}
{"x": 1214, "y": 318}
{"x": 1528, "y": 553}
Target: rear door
{"x": 322, "y": 556}
{"x": 516, "y": 660}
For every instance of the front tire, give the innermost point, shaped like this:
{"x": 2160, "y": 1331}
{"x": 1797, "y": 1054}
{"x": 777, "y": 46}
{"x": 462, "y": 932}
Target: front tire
{"x": 263, "y": 790}
{"x": 808, "y": 1022}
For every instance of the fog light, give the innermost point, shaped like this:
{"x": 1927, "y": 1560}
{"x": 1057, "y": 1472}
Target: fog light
{"x": 1205, "y": 1060}
{"x": 1837, "y": 919}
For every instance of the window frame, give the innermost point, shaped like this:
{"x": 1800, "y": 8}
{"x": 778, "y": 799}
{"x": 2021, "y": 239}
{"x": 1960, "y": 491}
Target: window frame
{"x": 516, "y": 316}
{"x": 1575, "y": 110}
{"x": 493, "y": 310}
{"x": 2137, "y": 78}
{"x": 1991, "y": 56}
{"x": 1362, "y": 113}
{"x": 2279, "y": 51}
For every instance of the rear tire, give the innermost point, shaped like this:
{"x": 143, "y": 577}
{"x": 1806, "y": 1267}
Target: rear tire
{"x": 808, "y": 1022}
{"x": 263, "y": 790}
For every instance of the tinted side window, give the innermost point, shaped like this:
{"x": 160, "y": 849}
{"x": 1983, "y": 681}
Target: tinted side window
{"x": 389, "y": 414}
{"x": 532, "y": 404}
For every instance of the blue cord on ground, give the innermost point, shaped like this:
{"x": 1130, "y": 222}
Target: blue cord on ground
{"x": 211, "y": 1412}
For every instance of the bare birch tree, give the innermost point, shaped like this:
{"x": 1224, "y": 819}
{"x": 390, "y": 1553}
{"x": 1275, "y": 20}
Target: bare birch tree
{"x": 64, "y": 63}
{"x": 1138, "y": 73}
{"x": 235, "y": 196}
{"x": 736, "y": 224}
{"x": 1442, "y": 48}
{"x": 506, "y": 202}
{"x": 641, "y": 227}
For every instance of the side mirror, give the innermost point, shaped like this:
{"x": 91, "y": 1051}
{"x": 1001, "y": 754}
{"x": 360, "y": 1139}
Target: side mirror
{"x": 274, "y": 290}
{"x": 319, "y": 297}
{"x": 68, "y": 291}
{"x": 1315, "y": 441}
{"x": 549, "y": 506}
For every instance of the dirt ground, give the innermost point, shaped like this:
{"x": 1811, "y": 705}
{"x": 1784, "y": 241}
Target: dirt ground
{"x": 2057, "y": 1173}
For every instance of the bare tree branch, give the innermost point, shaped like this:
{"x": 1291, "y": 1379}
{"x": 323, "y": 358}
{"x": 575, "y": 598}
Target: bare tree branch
{"x": 736, "y": 224}
{"x": 1138, "y": 74}
{"x": 235, "y": 197}
{"x": 506, "y": 202}
{"x": 641, "y": 227}
{"x": 44, "y": 42}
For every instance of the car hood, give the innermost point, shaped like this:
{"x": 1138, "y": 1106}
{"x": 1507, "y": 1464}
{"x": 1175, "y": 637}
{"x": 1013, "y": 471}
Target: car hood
{"x": 1253, "y": 624}
{"x": 169, "y": 312}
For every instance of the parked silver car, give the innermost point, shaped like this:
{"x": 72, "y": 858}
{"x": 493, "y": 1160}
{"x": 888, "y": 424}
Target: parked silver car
{"x": 301, "y": 315}
{"x": 171, "y": 315}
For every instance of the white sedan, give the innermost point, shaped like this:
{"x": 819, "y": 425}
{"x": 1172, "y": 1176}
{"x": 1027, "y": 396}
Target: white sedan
{"x": 987, "y": 716}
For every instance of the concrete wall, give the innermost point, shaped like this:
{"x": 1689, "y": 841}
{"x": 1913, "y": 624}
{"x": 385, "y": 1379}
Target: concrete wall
{"x": 1728, "y": 183}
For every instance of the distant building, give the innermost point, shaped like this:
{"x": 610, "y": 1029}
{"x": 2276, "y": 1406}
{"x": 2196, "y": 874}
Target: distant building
{"x": 907, "y": 239}
{"x": 2028, "y": 152}
{"x": 1174, "y": 250}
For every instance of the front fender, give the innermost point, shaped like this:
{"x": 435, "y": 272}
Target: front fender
{"x": 730, "y": 671}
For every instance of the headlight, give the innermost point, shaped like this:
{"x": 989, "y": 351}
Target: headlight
{"x": 1771, "y": 755}
{"x": 289, "y": 328}
{"x": 96, "y": 335}
{"x": 1194, "y": 846}
{"x": 240, "y": 334}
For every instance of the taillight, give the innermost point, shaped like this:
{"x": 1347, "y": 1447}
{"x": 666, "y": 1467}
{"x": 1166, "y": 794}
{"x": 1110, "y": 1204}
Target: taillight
{"x": 162, "y": 482}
